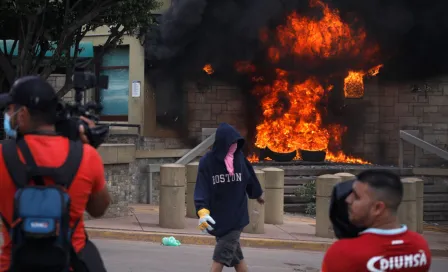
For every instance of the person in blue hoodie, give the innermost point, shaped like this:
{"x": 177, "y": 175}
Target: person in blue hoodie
{"x": 225, "y": 181}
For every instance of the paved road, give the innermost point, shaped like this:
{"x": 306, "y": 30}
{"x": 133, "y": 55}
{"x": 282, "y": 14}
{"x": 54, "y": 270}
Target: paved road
{"x": 124, "y": 256}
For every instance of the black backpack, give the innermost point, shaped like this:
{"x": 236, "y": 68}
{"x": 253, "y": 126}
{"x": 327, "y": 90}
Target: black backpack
{"x": 40, "y": 231}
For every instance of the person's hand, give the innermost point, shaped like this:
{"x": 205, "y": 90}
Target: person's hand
{"x": 82, "y": 132}
{"x": 204, "y": 220}
{"x": 261, "y": 199}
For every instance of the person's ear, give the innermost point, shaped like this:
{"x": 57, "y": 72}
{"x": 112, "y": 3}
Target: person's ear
{"x": 379, "y": 207}
{"x": 22, "y": 114}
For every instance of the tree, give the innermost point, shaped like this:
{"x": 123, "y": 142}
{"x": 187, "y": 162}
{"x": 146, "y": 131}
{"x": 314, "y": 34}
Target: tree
{"x": 36, "y": 27}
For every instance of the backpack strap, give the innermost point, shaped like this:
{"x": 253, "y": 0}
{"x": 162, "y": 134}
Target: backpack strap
{"x": 30, "y": 163}
{"x": 71, "y": 165}
{"x": 63, "y": 175}
{"x": 14, "y": 165}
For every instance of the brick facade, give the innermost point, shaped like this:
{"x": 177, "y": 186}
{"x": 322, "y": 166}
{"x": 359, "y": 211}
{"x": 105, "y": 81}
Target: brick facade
{"x": 388, "y": 108}
{"x": 217, "y": 104}
{"x": 373, "y": 121}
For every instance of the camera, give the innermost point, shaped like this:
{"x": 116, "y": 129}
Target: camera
{"x": 68, "y": 113}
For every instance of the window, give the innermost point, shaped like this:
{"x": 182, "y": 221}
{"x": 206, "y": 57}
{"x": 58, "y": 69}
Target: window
{"x": 114, "y": 100}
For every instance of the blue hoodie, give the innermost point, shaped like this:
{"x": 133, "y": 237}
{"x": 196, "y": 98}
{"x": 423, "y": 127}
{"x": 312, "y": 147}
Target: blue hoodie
{"x": 223, "y": 195}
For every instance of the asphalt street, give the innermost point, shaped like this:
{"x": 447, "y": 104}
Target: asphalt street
{"x": 129, "y": 256}
{"x": 126, "y": 256}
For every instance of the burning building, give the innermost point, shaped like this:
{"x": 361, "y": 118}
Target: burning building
{"x": 307, "y": 78}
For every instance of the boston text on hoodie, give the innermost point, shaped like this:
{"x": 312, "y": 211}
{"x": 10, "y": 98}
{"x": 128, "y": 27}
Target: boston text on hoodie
{"x": 225, "y": 195}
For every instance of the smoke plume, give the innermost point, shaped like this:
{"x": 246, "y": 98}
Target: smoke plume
{"x": 410, "y": 34}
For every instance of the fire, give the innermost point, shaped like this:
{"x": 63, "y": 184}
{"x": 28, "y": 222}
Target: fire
{"x": 293, "y": 112}
{"x": 208, "y": 69}
{"x": 354, "y": 85}
{"x": 253, "y": 158}
{"x": 291, "y": 118}
{"x": 322, "y": 38}
{"x": 354, "y": 82}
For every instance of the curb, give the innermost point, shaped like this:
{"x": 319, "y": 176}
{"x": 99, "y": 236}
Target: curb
{"x": 156, "y": 237}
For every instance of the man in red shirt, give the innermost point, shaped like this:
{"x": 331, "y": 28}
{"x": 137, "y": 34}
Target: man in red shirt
{"x": 30, "y": 113}
{"x": 385, "y": 245}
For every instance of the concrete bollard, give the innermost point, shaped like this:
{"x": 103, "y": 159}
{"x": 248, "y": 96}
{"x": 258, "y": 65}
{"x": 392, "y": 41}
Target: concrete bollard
{"x": 407, "y": 212}
{"x": 274, "y": 195}
{"x": 324, "y": 188}
{"x": 345, "y": 176}
{"x": 172, "y": 196}
{"x": 192, "y": 173}
{"x": 256, "y": 210}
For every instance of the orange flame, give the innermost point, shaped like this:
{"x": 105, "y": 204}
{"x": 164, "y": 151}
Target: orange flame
{"x": 208, "y": 69}
{"x": 354, "y": 82}
{"x": 323, "y": 38}
{"x": 292, "y": 113}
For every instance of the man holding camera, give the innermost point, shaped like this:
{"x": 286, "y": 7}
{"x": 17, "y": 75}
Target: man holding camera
{"x": 384, "y": 245}
{"x": 47, "y": 165}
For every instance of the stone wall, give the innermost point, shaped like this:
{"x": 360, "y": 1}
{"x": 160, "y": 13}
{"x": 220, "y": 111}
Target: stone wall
{"x": 435, "y": 198}
{"x": 387, "y": 108}
{"x": 211, "y": 106}
{"x": 373, "y": 121}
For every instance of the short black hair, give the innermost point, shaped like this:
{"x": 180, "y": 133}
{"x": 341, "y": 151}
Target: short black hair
{"x": 387, "y": 184}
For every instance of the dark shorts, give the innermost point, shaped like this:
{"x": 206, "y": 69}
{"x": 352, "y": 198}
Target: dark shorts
{"x": 228, "y": 249}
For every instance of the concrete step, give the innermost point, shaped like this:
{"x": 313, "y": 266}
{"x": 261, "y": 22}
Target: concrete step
{"x": 435, "y": 207}
{"x": 299, "y": 180}
{"x": 292, "y": 199}
{"x": 317, "y": 171}
{"x": 295, "y": 208}
{"x": 435, "y": 217}
{"x": 290, "y": 189}
{"x": 430, "y": 198}
{"x": 436, "y": 189}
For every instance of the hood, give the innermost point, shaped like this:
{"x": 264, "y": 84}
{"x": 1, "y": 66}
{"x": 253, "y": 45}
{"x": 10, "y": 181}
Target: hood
{"x": 225, "y": 136}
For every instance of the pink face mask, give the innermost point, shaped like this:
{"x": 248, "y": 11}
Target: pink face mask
{"x": 228, "y": 160}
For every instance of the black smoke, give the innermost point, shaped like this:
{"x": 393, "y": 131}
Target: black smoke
{"x": 412, "y": 37}
{"x": 411, "y": 34}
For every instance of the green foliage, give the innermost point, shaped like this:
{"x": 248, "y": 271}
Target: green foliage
{"x": 308, "y": 192}
{"x": 36, "y": 24}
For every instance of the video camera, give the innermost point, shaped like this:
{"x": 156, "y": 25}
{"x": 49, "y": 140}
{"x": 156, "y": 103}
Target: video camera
{"x": 68, "y": 113}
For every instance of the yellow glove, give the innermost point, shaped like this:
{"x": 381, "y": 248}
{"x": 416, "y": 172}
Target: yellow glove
{"x": 204, "y": 220}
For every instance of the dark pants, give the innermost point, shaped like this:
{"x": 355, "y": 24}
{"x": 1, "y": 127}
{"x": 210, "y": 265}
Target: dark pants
{"x": 91, "y": 257}
{"x": 89, "y": 260}
{"x": 228, "y": 249}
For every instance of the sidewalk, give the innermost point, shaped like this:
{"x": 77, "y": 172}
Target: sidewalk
{"x": 297, "y": 232}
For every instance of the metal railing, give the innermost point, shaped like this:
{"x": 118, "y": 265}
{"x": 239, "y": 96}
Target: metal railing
{"x": 412, "y": 137}
{"x": 208, "y": 138}
{"x": 199, "y": 149}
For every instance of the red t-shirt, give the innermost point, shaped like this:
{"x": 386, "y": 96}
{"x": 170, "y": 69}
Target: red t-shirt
{"x": 52, "y": 151}
{"x": 378, "y": 250}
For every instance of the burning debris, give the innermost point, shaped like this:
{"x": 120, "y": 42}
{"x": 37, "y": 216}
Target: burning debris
{"x": 354, "y": 82}
{"x": 294, "y": 55}
{"x": 208, "y": 69}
